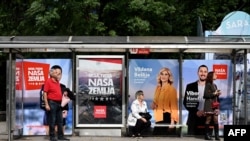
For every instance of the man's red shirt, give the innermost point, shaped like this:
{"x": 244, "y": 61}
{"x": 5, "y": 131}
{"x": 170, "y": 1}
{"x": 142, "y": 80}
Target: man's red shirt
{"x": 53, "y": 90}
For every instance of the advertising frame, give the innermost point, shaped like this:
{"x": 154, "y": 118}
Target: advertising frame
{"x": 34, "y": 72}
{"x": 114, "y": 65}
{"x": 224, "y": 82}
{"x": 144, "y": 76}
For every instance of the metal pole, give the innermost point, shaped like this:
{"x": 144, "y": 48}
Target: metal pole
{"x": 245, "y": 87}
{"x": 127, "y": 94}
{"x": 10, "y": 99}
{"x": 73, "y": 55}
{"x": 235, "y": 107}
{"x": 180, "y": 91}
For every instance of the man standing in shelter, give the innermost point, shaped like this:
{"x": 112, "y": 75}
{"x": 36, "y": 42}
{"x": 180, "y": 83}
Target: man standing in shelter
{"x": 53, "y": 98}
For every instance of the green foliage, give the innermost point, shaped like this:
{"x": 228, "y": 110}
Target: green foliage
{"x": 138, "y": 17}
{"x": 114, "y": 17}
{"x": 40, "y": 18}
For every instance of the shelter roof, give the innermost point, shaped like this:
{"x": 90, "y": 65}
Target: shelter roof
{"x": 225, "y": 44}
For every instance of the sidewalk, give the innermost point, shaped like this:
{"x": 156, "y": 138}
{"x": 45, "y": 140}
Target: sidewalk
{"x": 83, "y": 138}
{"x": 4, "y": 137}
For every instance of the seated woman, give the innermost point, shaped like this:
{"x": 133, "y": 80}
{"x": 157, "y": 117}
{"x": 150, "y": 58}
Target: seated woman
{"x": 136, "y": 118}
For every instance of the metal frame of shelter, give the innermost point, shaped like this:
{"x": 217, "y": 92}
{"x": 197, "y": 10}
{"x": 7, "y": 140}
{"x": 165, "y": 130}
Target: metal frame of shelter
{"x": 232, "y": 45}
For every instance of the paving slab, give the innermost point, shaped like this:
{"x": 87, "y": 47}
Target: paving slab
{"x": 4, "y": 137}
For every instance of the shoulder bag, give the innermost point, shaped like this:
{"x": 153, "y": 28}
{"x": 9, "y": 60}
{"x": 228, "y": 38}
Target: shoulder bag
{"x": 215, "y": 104}
{"x": 146, "y": 115}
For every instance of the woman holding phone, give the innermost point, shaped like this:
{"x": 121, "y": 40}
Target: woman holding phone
{"x": 211, "y": 94}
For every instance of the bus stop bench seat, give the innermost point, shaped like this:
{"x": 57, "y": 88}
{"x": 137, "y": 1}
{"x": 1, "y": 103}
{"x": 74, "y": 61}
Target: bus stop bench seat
{"x": 149, "y": 131}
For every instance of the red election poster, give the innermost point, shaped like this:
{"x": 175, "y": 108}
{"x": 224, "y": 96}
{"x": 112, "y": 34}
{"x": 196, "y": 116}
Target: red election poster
{"x": 35, "y": 74}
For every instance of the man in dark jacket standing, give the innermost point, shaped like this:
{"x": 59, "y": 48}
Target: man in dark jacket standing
{"x": 194, "y": 102}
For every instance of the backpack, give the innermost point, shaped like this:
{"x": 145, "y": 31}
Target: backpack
{"x": 42, "y": 103}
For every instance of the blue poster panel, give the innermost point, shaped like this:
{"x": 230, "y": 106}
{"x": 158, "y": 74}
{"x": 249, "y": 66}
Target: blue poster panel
{"x": 223, "y": 69}
{"x": 30, "y": 75}
{"x": 152, "y": 76}
{"x": 99, "y": 93}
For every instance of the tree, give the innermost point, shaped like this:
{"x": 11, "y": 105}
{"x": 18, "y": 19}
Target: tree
{"x": 60, "y": 17}
{"x": 113, "y": 17}
{"x": 138, "y": 17}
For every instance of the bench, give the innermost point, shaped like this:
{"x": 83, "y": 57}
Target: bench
{"x": 166, "y": 125}
{"x": 149, "y": 132}
{"x": 178, "y": 127}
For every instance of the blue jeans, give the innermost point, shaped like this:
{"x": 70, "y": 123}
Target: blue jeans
{"x": 55, "y": 118}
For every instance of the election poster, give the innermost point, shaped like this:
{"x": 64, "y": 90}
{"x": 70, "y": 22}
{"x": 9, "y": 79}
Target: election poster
{"x": 144, "y": 74}
{"x": 195, "y": 101}
{"x": 30, "y": 75}
{"x": 99, "y": 94}
{"x": 18, "y": 124}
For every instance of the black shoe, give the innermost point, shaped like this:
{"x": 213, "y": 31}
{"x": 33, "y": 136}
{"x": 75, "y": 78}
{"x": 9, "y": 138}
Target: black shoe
{"x": 207, "y": 137}
{"x": 63, "y": 139}
{"x": 217, "y": 138}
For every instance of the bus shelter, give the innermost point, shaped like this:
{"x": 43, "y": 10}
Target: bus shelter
{"x": 121, "y": 50}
